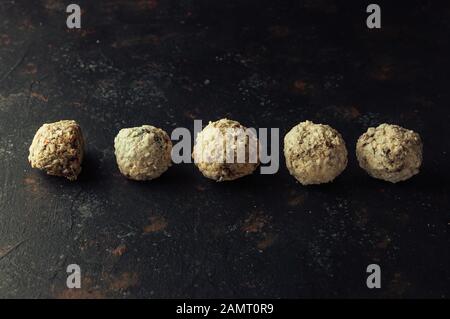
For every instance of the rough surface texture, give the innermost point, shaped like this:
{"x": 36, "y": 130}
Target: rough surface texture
{"x": 268, "y": 64}
{"x": 142, "y": 153}
{"x": 58, "y": 149}
{"x": 390, "y": 152}
{"x": 217, "y": 148}
{"x": 315, "y": 153}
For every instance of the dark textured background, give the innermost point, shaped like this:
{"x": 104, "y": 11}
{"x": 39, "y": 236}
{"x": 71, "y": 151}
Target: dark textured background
{"x": 265, "y": 64}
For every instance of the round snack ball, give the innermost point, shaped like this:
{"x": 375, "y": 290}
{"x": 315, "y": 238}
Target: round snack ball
{"x": 225, "y": 150}
{"x": 57, "y": 149}
{"x": 143, "y": 153}
{"x": 315, "y": 153}
{"x": 390, "y": 152}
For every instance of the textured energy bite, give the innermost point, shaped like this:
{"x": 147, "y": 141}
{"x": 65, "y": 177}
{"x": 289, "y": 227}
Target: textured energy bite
{"x": 314, "y": 153}
{"x": 143, "y": 153}
{"x": 225, "y": 150}
{"x": 390, "y": 152}
{"x": 57, "y": 149}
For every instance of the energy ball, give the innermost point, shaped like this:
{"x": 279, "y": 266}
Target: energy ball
{"x": 225, "y": 150}
{"x": 315, "y": 153}
{"x": 390, "y": 152}
{"x": 58, "y": 149}
{"x": 143, "y": 153}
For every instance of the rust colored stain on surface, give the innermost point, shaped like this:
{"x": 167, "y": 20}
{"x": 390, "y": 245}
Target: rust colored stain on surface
{"x": 266, "y": 242}
{"x": 348, "y": 112}
{"x": 80, "y": 294}
{"x": 39, "y": 96}
{"x": 255, "y": 223}
{"x": 157, "y": 223}
{"x": 119, "y": 250}
{"x": 201, "y": 188}
{"x": 354, "y": 112}
{"x": 147, "y": 4}
{"x": 26, "y": 24}
{"x": 5, "y": 39}
{"x": 30, "y": 68}
{"x": 87, "y": 291}
{"x": 105, "y": 287}
{"x": 192, "y": 114}
{"x": 302, "y": 87}
{"x": 296, "y": 200}
{"x": 124, "y": 281}
{"x": 383, "y": 72}
{"x": 31, "y": 183}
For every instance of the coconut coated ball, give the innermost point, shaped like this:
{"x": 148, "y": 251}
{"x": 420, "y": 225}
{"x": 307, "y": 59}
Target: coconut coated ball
{"x": 225, "y": 150}
{"x": 315, "y": 153}
{"x": 390, "y": 152}
{"x": 58, "y": 149}
{"x": 143, "y": 153}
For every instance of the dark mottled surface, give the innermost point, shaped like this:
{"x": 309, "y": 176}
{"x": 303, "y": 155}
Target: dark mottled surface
{"x": 265, "y": 64}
